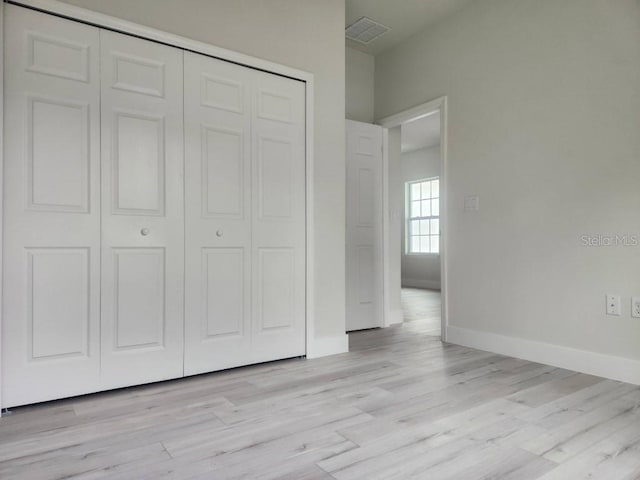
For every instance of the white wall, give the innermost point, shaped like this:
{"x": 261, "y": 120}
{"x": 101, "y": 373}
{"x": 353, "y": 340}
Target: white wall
{"x": 304, "y": 34}
{"x": 422, "y": 271}
{"x": 359, "y": 85}
{"x": 544, "y": 115}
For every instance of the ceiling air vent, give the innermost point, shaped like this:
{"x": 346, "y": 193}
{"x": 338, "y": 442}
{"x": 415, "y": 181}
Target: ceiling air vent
{"x": 365, "y": 30}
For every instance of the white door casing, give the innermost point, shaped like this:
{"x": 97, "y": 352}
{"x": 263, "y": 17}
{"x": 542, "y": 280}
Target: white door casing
{"x": 142, "y": 211}
{"x": 51, "y": 209}
{"x": 392, "y": 288}
{"x": 364, "y": 254}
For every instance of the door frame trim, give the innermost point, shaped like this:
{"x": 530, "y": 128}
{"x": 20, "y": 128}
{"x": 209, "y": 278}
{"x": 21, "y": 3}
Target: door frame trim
{"x": 1, "y": 184}
{"x": 313, "y": 345}
{"x": 438, "y": 105}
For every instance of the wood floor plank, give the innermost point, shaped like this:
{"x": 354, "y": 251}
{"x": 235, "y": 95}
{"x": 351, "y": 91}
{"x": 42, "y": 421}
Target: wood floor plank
{"x": 574, "y": 405}
{"x": 429, "y": 435}
{"x": 499, "y": 463}
{"x": 78, "y": 462}
{"x": 614, "y": 457}
{"x": 560, "y": 444}
{"x": 554, "y": 389}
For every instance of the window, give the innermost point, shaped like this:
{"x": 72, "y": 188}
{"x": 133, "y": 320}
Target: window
{"x": 423, "y": 216}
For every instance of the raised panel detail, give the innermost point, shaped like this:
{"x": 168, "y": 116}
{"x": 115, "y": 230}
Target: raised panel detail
{"x": 222, "y": 172}
{"x": 222, "y": 94}
{"x": 57, "y": 57}
{"x": 276, "y": 286}
{"x": 365, "y": 145}
{"x": 58, "y": 302}
{"x": 365, "y": 275}
{"x": 275, "y": 178}
{"x": 223, "y": 290}
{"x": 274, "y": 106}
{"x": 138, "y": 164}
{"x": 138, "y": 75}
{"x": 57, "y": 155}
{"x": 366, "y": 202}
{"x": 139, "y": 281}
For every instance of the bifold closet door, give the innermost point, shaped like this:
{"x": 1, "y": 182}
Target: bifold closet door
{"x": 142, "y": 211}
{"x": 278, "y": 217}
{"x": 51, "y": 258}
{"x": 218, "y": 213}
{"x": 245, "y": 215}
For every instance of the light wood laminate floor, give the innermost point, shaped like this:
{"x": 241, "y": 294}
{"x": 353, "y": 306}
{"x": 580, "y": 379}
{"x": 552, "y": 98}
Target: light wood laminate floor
{"x": 399, "y": 405}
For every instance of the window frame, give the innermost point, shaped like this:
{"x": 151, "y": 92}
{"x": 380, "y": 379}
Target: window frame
{"x": 408, "y": 218}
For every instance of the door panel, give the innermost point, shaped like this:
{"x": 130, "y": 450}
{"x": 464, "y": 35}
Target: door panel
{"x": 278, "y": 217}
{"x": 365, "y": 270}
{"x": 224, "y": 286}
{"x": 218, "y": 202}
{"x": 364, "y": 226}
{"x": 276, "y": 177}
{"x": 58, "y": 56}
{"x": 58, "y": 302}
{"x": 276, "y": 287}
{"x": 138, "y": 164}
{"x": 140, "y": 297}
{"x": 57, "y": 171}
{"x": 142, "y": 211}
{"x": 223, "y": 172}
{"x": 51, "y": 208}
{"x": 143, "y": 75}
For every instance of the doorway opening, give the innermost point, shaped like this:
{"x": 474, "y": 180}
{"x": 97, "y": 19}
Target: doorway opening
{"x": 420, "y": 230}
{"x": 415, "y": 230}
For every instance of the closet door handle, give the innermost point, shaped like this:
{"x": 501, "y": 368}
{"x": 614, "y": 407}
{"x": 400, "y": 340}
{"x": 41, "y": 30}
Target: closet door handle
{"x": 219, "y": 232}
{"x": 144, "y": 232}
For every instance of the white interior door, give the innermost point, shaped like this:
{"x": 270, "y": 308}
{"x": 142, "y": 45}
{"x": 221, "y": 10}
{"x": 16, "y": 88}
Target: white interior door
{"x": 142, "y": 211}
{"x": 218, "y": 214}
{"x": 278, "y": 217}
{"x": 245, "y": 215}
{"x": 51, "y": 295}
{"x": 364, "y": 226}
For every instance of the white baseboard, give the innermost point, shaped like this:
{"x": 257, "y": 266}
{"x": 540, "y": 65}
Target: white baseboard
{"x": 615, "y": 368}
{"x": 420, "y": 283}
{"x": 325, "y": 346}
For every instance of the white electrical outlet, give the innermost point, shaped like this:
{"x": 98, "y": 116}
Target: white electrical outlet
{"x": 635, "y": 307}
{"x": 613, "y": 304}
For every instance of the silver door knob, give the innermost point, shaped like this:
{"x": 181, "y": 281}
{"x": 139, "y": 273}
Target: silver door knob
{"x": 219, "y": 233}
{"x": 144, "y": 232}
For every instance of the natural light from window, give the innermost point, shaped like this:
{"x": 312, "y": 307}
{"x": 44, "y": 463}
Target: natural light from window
{"x": 423, "y": 216}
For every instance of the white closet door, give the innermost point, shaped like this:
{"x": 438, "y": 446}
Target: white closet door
{"x": 142, "y": 211}
{"x": 52, "y": 208}
{"x": 218, "y": 213}
{"x": 245, "y": 220}
{"x": 278, "y": 217}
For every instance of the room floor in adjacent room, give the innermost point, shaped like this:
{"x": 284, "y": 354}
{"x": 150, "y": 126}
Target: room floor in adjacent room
{"x": 399, "y": 405}
{"x": 422, "y": 305}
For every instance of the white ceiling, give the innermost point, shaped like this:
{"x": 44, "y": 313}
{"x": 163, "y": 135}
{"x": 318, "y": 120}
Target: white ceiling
{"x": 421, "y": 133}
{"x": 405, "y": 17}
